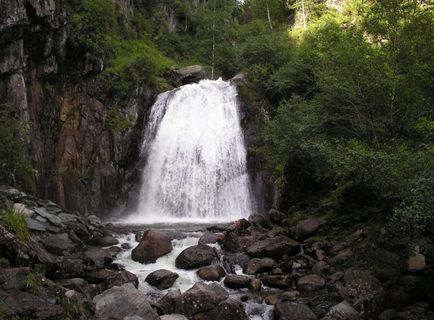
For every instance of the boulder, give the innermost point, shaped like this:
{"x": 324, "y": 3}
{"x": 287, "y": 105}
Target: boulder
{"x": 153, "y": 245}
{"x": 276, "y": 281}
{"x": 171, "y": 302}
{"x": 195, "y": 257}
{"x": 14, "y": 278}
{"x": 120, "y": 302}
{"x": 162, "y": 279}
{"x": 277, "y": 216}
{"x": 53, "y": 219}
{"x": 273, "y": 247}
{"x": 109, "y": 278}
{"x": 59, "y": 244}
{"x": 211, "y": 237}
{"x": 306, "y": 228}
{"x": 107, "y": 241}
{"x": 21, "y": 208}
{"x": 229, "y": 309}
{"x": 202, "y": 297}
{"x": 260, "y": 221}
{"x": 310, "y": 282}
{"x": 237, "y": 281}
{"x": 342, "y": 311}
{"x": 257, "y": 265}
{"x": 173, "y": 317}
{"x": 189, "y": 74}
{"x": 211, "y": 273}
{"x": 293, "y": 311}
{"x": 416, "y": 263}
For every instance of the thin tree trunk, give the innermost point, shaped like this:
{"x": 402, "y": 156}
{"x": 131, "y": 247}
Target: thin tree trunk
{"x": 269, "y": 17}
{"x": 213, "y": 43}
{"x": 304, "y": 14}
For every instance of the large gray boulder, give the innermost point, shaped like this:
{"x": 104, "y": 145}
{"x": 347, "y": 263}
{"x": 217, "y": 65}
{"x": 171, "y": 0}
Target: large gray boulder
{"x": 229, "y": 309}
{"x": 153, "y": 245}
{"x": 120, "y": 302}
{"x": 306, "y": 228}
{"x": 189, "y": 74}
{"x": 202, "y": 297}
{"x": 293, "y": 311}
{"x": 274, "y": 248}
{"x": 195, "y": 257}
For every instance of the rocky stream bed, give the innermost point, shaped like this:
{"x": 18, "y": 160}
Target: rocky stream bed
{"x": 77, "y": 267}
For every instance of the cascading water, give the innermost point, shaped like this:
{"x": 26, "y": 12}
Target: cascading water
{"x": 195, "y": 157}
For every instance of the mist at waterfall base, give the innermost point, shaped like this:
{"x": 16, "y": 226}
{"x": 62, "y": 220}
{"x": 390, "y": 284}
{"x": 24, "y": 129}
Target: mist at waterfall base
{"x": 196, "y": 167}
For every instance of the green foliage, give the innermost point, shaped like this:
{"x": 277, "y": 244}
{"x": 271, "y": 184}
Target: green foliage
{"x": 134, "y": 61}
{"x": 16, "y": 224}
{"x": 15, "y": 163}
{"x": 35, "y": 280}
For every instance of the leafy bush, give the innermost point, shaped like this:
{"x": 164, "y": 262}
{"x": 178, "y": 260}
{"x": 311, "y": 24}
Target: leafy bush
{"x": 15, "y": 163}
{"x": 16, "y": 224}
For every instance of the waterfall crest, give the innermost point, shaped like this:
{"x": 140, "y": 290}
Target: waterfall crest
{"x": 195, "y": 157}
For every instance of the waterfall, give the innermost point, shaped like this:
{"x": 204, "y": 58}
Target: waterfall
{"x": 195, "y": 157}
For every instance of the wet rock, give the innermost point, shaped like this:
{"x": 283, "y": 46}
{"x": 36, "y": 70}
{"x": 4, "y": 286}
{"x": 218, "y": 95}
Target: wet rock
{"x": 107, "y": 241}
{"x": 255, "y": 284}
{"x": 211, "y": 237}
{"x": 153, "y": 245}
{"x": 292, "y": 311}
{"x": 342, "y": 311}
{"x": 276, "y": 281}
{"x": 101, "y": 257}
{"x": 202, "y": 297}
{"x": 308, "y": 227}
{"x": 211, "y": 273}
{"x": 162, "y": 279}
{"x": 319, "y": 267}
{"x": 195, "y": 257}
{"x": 237, "y": 281}
{"x": 257, "y": 265}
{"x": 171, "y": 302}
{"x": 120, "y": 302}
{"x": 310, "y": 282}
{"x": 273, "y": 247}
{"x": 229, "y": 309}
{"x": 389, "y": 314}
{"x": 13, "y": 278}
{"x": 109, "y": 278}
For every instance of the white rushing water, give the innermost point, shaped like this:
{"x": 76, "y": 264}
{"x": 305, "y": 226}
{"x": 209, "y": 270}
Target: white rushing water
{"x": 195, "y": 157}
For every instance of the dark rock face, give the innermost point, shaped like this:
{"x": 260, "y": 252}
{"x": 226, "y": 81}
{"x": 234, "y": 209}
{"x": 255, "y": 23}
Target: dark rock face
{"x": 162, "y": 279}
{"x": 195, "y": 257}
{"x": 153, "y": 245}
{"x": 292, "y": 311}
{"x": 211, "y": 273}
{"x": 202, "y": 297}
{"x": 67, "y": 119}
{"x": 120, "y": 302}
{"x": 276, "y": 281}
{"x": 273, "y": 247}
{"x": 13, "y": 278}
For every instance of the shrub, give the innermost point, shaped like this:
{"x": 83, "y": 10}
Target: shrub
{"x": 16, "y": 224}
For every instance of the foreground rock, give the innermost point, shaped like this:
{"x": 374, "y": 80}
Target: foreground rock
{"x": 256, "y": 265}
{"x": 162, "y": 279}
{"x": 120, "y": 302}
{"x": 211, "y": 273}
{"x": 229, "y": 309}
{"x": 153, "y": 245}
{"x": 310, "y": 282}
{"x": 195, "y": 257}
{"x": 202, "y": 297}
{"x": 237, "y": 281}
{"x": 308, "y": 227}
{"x": 293, "y": 311}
